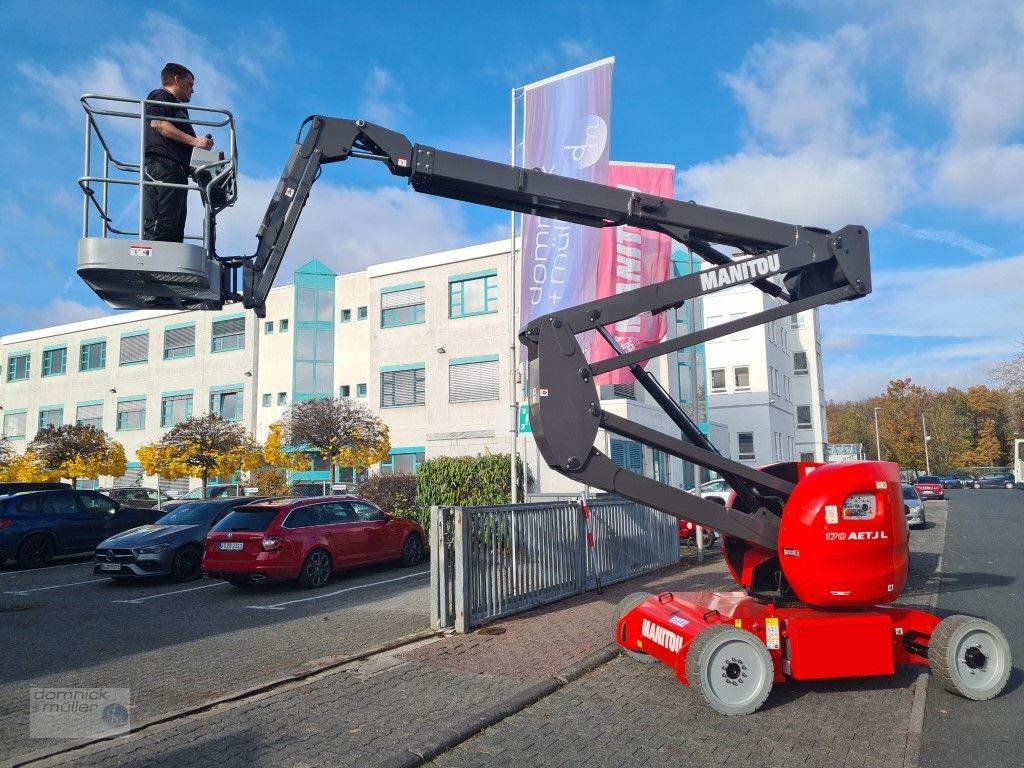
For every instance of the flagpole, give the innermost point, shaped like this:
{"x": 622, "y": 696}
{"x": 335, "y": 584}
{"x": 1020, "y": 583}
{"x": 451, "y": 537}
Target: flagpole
{"x": 513, "y": 356}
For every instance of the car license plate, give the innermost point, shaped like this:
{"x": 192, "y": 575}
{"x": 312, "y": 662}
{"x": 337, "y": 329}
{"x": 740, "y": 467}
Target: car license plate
{"x": 231, "y": 545}
{"x": 110, "y": 567}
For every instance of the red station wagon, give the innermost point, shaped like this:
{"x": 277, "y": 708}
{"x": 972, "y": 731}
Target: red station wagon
{"x": 307, "y": 540}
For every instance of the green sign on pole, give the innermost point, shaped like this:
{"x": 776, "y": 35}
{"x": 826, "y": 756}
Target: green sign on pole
{"x": 524, "y": 419}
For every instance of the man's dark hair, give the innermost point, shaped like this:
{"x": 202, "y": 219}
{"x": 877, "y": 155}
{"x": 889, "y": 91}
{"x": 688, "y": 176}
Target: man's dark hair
{"x": 172, "y": 70}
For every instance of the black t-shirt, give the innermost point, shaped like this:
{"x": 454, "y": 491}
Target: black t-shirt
{"x": 159, "y": 146}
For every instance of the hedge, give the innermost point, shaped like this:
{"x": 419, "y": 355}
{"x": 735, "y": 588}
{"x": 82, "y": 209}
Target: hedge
{"x": 466, "y": 481}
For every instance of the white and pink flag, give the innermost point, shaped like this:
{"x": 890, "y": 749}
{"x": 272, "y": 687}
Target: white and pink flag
{"x": 630, "y": 258}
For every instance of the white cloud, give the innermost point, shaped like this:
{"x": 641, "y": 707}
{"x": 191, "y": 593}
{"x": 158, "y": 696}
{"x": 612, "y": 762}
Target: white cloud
{"x": 346, "y": 228}
{"x": 947, "y": 237}
{"x": 58, "y": 311}
{"x": 383, "y": 102}
{"x": 574, "y": 49}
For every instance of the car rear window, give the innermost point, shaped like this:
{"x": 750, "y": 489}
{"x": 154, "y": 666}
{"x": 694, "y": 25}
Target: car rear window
{"x": 251, "y": 519}
{"x": 909, "y": 492}
{"x": 927, "y": 479}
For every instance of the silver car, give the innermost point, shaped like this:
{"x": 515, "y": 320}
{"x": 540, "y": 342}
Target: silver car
{"x": 172, "y": 546}
{"x": 913, "y": 507}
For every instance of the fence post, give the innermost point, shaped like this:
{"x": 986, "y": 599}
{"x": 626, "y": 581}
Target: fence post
{"x": 463, "y": 553}
{"x": 582, "y": 550}
{"x": 437, "y": 585}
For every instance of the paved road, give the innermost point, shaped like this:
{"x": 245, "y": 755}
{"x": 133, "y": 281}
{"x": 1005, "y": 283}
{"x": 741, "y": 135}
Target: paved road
{"x": 177, "y": 645}
{"x": 982, "y": 575}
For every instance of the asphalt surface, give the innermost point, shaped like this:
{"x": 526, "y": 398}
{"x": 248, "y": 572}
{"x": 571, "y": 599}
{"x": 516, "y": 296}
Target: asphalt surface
{"x": 177, "y": 645}
{"x": 982, "y": 575}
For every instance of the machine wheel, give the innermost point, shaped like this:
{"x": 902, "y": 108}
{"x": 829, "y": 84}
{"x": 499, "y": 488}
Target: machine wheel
{"x": 731, "y": 669}
{"x": 627, "y": 604}
{"x": 35, "y": 551}
{"x": 316, "y": 570}
{"x": 970, "y": 657}
{"x": 187, "y": 564}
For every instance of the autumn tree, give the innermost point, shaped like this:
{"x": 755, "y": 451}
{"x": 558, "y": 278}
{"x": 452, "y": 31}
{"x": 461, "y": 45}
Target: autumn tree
{"x": 900, "y": 423}
{"x": 272, "y": 477}
{"x": 75, "y": 451}
{"x": 21, "y": 467}
{"x": 343, "y": 431}
{"x": 203, "y": 447}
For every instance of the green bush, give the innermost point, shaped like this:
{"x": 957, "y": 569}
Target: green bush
{"x": 465, "y": 481}
{"x": 395, "y": 494}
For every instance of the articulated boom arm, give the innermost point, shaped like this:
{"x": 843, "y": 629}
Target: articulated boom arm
{"x": 800, "y": 267}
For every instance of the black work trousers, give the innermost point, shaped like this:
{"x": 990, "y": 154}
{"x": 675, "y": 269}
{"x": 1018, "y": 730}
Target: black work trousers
{"x": 164, "y": 208}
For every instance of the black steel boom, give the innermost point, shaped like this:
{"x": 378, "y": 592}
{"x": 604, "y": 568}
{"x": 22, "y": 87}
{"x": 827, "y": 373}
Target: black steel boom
{"x": 798, "y": 267}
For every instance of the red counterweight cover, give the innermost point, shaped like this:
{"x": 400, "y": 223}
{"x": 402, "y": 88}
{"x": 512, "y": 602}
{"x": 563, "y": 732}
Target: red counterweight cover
{"x": 843, "y": 536}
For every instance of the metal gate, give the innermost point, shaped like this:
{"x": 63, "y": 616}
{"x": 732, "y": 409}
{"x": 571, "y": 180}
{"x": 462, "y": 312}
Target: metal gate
{"x": 490, "y": 562}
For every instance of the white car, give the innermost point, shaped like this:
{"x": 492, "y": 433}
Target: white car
{"x": 716, "y": 489}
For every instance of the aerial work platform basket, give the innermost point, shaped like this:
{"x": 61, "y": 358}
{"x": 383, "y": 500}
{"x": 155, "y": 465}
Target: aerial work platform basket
{"x": 125, "y": 270}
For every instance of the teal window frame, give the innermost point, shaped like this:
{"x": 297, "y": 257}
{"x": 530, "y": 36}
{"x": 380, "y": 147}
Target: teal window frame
{"x": 282, "y": 326}
{"x": 124, "y": 423}
{"x": 268, "y": 327}
{"x": 406, "y": 314}
{"x": 181, "y": 352}
{"x": 267, "y": 400}
{"x": 3, "y": 423}
{"x": 628, "y": 454}
{"x": 85, "y": 350}
{"x": 345, "y": 390}
{"x": 322, "y": 305}
{"x": 417, "y": 452}
{"x": 346, "y": 315}
{"x": 217, "y": 403}
{"x": 12, "y": 366}
{"x": 47, "y": 409}
{"x": 457, "y": 293}
{"x": 170, "y": 398}
{"x": 50, "y": 356}
{"x": 226, "y": 342}
{"x": 282, "y": 398}
{"x": 362, "y": 313}
{"x": 419, "y": 386}
{"x": 360, "y": 390}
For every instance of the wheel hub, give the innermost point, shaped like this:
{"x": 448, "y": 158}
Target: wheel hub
{"x": 975, "y": 658}
{"x": 734, "y": 671}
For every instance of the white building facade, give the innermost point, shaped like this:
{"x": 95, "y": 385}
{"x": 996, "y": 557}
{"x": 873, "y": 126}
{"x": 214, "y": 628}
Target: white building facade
{"x": 424, "y": 342}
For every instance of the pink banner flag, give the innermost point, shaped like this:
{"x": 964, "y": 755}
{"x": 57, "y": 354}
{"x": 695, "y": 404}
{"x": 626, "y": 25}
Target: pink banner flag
{"x": 631, "y": 258}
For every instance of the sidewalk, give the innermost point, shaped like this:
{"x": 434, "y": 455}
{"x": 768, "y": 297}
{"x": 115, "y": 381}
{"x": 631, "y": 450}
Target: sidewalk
{"x": 521, "y": 692}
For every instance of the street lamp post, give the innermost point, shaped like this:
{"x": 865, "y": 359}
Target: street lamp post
{"x": 878, "y": 440}
{"x": 927, "y": 437}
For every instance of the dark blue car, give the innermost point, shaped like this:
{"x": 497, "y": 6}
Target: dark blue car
{"x": 36, "y": 525}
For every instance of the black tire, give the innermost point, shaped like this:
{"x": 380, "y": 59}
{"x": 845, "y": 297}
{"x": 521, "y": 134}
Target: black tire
{"x": 316, "y": 569}
{"x": 627, "y": 604}
{"x": 36, "y": 551}
{"x": 970, "y": 657}
{"x": 731, "y": 669}
{"x": 187, "y": 564}
{"x": 412, "y": 551}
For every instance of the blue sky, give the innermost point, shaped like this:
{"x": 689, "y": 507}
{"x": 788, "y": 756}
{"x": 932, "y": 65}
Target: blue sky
{"x": 908, "y": 118}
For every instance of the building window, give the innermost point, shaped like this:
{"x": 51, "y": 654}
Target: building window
{"x": 17, "y": 367}
{"x": 403, "y": 387}
{"x": 807, "y": 456}
{"x": 362, "y": 313}
{"x": 55, "y": 361}
{"x": 51, "y": 417}
{"x": 360, "y": 390}
{"x": 131, "y": 414}
{"x": 268, "y": 327}
{"x": 745, "y": 446}
{"x": 403, "y": 461}
{"x": 803, "y": 417}
{"x": 346, "y": 315}
{"x": 473, "y": 295}
{"x": 282, "y": 398}
{"x": 90, "y": 415}
{"x": 314, "y": 361}
{"x": 796, "y": 321}
{"x": 402, "y": 306}
{"x": 741, "y": 378}
{"x": 179, "y": 342}
{"x": 473, "y": 380}
{"x": 15, "y": 423}
{"x": 282, "y": 326}
{"x": 134, "y": 349}
{"x": 618, "y": 391}
{"x": 314, "y": 305}
{"x": 345, "y": 390}
{"x": 93, "y": 356}
{"x": 785, "y": 388}
{"x": 228, "y": 334}
{"x": 718, "y": 380}
{"x": 266, "y": 400}
{"x": 227, "y": 404}
{"x": 799, "y": 363}
{"x": 175, "y": 409}
{"x": 628, "y": 455}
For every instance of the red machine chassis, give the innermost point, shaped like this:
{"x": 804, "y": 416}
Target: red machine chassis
{"x": 804, "y": 643}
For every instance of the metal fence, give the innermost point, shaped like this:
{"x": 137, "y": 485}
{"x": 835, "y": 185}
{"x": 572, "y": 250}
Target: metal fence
{"x": 491, "y": 562}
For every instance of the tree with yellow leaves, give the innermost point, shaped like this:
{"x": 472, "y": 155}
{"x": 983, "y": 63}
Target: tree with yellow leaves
{"x": 75, "y": 451}
{"x": 272, "y": 478}
{"x": 203, "y": 447}
{"x": 21, "y": 467}
{"x": 343, "y": 431}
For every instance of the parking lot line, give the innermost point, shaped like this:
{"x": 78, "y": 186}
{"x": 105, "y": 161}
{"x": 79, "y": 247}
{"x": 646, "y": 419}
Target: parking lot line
{"x": 52, "y": 586}
{"x": 138, "y": 600}
{"x": 25, "y": 571}
{"x": 282, "y": 606}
